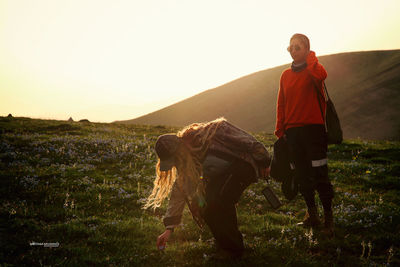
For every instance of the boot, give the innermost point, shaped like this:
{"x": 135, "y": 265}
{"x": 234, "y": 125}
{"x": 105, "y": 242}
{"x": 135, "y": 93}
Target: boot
{"x": 328, "y": 224}
{"x": 311, "y": 219}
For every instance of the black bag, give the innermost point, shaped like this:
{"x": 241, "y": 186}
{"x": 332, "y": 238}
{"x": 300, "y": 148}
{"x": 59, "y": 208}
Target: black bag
{"x": 280, "y": 164}
{"x": 332, "y": 123}
{"x": 282, "y": 170}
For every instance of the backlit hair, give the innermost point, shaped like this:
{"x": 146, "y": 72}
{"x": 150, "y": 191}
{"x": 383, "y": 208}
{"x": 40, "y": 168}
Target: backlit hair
{"x": 196, "y": 140}
{"x": 304, "y": 39}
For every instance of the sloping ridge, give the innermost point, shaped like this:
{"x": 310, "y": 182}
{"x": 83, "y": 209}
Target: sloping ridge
{"x": 365, "y": 87}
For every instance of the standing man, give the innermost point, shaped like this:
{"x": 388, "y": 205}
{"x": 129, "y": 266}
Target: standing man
{"x": 300, "y": 122}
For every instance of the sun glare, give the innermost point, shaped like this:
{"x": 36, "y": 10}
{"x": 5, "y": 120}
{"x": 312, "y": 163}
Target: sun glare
{"x": 111, "y": 61}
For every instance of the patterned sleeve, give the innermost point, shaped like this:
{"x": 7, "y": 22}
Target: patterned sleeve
{"x": 175, "y": 208}
{"x": 246, "y": 143}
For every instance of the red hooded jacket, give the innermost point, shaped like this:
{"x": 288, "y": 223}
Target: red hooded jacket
{"x": 297, "y": 99}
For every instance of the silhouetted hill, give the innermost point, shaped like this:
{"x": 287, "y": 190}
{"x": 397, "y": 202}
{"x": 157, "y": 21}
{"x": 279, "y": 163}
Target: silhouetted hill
{"x": 365, "y": 87}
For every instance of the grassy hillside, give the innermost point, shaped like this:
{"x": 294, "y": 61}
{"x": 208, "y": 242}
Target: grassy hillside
{"x": 365, "y": 87}
{"x": 82, "y": 185}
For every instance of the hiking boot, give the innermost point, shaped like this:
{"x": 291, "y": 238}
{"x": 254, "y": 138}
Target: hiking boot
{"x": 328, "y": 224}
{"x": 311, "y": 219}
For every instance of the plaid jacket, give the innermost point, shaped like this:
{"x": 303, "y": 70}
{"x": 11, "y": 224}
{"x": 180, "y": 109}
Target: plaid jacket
{"x": 231, "y": 141}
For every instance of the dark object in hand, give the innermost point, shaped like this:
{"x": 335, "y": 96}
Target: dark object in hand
{"x": 271, "y": 197}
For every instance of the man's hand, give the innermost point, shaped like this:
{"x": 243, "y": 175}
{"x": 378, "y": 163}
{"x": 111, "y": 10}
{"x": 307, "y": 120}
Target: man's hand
{"x": 163, "y": 239}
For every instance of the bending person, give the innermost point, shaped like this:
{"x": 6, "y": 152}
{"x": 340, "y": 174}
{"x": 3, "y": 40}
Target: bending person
{"x": 207, "y": 166}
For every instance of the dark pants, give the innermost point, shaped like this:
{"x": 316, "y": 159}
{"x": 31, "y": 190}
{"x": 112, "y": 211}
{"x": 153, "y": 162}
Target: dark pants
{"x": 222, "y": 193}
{"x": 308, "y": 147}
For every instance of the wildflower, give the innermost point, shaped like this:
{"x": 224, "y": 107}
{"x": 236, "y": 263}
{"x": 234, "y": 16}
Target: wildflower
{"x": 338, "y": 251}
{"x": 250, "y": 193}
{"x": 13, "y": 211}
{"x": 390, "y": 255}
{"x": 369, "y": 249}
{"x": 66, "y": 200}
{"x": 309, "y": 236}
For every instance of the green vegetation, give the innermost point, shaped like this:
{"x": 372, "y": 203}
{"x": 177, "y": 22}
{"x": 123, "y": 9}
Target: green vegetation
{"x": 83, "y": 184}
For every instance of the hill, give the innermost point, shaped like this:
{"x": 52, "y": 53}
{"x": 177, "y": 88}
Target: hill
{"x": 365, "y": 87}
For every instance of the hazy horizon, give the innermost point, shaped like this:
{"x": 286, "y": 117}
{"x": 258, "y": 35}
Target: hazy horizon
{"x": 120, "y": 60}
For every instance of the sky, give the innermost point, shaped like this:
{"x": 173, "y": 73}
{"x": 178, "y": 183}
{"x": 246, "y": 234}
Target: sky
{"x": 117, "y": 60}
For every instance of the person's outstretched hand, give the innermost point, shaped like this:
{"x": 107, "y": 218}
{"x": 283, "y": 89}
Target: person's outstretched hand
{"x": 163, "y": 239}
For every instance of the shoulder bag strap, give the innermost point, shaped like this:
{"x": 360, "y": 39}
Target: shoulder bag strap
{"x": 326, "y": 92}
{"x": 319, "y": 96}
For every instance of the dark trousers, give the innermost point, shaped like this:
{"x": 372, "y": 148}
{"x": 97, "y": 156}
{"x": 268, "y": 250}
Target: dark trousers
{"x": 308, "y": 145}
{"x": 222, "y": 193}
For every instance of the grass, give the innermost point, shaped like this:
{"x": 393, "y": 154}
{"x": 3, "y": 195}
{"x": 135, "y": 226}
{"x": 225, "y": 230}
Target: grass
{"x": 83, "y": 184}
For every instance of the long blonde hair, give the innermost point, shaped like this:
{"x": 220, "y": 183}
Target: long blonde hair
{"x": 188, "y": 171}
